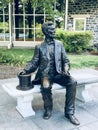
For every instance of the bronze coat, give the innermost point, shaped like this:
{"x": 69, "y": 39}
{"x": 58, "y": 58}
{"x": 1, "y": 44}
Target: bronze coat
{"x": 41, "y": 59}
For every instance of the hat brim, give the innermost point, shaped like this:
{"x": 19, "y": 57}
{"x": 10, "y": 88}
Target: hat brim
{"x": 24, "y": 88}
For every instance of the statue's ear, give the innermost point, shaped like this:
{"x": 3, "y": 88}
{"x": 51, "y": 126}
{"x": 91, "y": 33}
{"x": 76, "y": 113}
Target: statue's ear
{"x": 45, "y": 32}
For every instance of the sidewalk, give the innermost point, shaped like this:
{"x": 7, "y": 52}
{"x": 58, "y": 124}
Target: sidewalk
{"x": 10, "y": 119}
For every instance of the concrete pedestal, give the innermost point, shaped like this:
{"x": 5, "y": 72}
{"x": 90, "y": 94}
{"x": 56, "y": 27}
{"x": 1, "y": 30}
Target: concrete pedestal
{"x": 82, "y": 94}
{"x": 24, "y": 106}
{"x": 24, "y": 99}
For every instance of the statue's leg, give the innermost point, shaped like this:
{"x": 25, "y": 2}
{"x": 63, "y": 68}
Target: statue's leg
{"x": 70, "y": 96}
{"x": 69, "y": 109}
{"x": 70, "y": 84}
{"x": 47, "y": 97}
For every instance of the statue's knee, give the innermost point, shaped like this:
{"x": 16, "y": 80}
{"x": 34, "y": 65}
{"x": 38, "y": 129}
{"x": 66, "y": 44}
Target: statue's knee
{"x": 74, "y": 84}
{"x": 45, "y": 83}
{"x": 73, "y": 81}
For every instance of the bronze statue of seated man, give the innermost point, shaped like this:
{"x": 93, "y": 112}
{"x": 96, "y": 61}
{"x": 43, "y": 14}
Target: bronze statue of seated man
{"x": 52, "y": 65}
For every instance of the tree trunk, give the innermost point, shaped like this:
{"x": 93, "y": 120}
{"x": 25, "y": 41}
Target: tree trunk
{"x": 29, "y": 9}
{"x": 16, "y": 18}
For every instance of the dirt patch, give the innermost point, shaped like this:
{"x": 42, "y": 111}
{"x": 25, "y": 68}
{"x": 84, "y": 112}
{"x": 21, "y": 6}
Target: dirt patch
{"x": 9, "y": 71}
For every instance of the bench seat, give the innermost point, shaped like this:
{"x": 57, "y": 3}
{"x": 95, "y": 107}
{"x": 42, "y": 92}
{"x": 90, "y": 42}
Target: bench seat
{"x": 24, "y": 98}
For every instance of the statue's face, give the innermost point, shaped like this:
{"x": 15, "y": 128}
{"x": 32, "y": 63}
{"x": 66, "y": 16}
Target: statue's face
{"x": 51, "y": 31}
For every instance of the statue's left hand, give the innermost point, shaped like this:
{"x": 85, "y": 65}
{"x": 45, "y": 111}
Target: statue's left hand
{"x": 66, "y": 73}
{"x": 66, "y": 68}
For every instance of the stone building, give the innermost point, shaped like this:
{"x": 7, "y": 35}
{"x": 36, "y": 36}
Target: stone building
{"x": 83, "y": 15}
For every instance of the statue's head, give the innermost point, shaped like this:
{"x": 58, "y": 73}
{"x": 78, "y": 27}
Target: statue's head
{"x": 48, "y": 28}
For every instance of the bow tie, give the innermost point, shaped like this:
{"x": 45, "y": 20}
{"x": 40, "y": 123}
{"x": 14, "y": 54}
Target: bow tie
{"x": 50, "y": 42}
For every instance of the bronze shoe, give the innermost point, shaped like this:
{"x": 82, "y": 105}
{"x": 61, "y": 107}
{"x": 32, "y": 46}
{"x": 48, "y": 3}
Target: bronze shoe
{"x": 72, "y": 119}
{"x": 47, "y": 114}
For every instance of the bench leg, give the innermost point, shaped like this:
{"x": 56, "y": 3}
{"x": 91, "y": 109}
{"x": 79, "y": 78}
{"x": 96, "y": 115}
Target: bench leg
{"x": 83, "y": 94}
{"x": 24, "y": 106}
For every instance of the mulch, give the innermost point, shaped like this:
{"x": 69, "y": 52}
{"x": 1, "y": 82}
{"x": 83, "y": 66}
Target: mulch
{"x": 9, "y": 71}
{"x": 12, "y": 71}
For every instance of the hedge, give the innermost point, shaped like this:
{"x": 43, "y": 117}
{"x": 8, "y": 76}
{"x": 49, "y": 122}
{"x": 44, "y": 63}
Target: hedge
{"x": 74, "y": 41}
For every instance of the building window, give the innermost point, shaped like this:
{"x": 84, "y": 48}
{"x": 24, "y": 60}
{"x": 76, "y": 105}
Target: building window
{"x": 4, "y": 24}
{"x": 27, "y": 22}
{"x": 79, "y": 24}
{"x": 20, "y": 21}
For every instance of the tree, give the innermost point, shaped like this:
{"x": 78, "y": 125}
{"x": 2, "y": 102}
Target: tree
{"x": 4, "y": 2}
{"x": 48, "y": 5}
{"x": 16, "y": 18}
{"x": 30, "y": 18}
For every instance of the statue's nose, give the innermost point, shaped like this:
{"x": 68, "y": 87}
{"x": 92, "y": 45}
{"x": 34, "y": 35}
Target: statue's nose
{"x": 53, "y": 31}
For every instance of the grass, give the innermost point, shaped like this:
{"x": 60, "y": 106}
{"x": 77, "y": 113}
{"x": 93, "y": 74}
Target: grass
{"x": 19, "y": 57}
{"x": 83, "y": 61}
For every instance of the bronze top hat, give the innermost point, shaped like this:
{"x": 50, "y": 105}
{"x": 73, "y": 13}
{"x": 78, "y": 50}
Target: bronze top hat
{"x": 24, "y": 82}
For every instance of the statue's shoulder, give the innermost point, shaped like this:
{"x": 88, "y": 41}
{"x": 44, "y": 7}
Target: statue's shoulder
{"x": 39, "y": 45}
{"x": 42, "y": 44}
{"x": 58, "y": 42}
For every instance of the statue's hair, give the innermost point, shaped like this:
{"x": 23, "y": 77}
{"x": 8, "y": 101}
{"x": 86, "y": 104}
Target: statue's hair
{"x": 46, "y": 25}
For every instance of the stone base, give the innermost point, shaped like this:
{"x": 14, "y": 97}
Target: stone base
{"x": 24, "y": 106}
{"x": 24, "y": 99}
{"x": 83, "y": 94}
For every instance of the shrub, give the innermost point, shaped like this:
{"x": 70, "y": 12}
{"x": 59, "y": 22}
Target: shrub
{"x": 39, "y": 33}
{"x": 2, "y": 25}
{"x": 11, "y": 59}
{"x": 74, "y": 41}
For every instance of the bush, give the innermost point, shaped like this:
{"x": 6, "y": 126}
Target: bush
{"x": 6, "y": 26}
{"x": 11, "y": 58}
{"x": 39, "y": 33}
{"x": 74, "y": 41}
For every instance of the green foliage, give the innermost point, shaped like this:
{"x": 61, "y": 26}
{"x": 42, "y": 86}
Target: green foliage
{"x": 3, "y": 3}
{"x": 20, "y": 57}
{"x": 4, "y": 25}
{"x": 12, "y": 59}
{"x": 39, "y": 33}
{"x": 74, "y": 41}
{"x": 47, "y": 4}
{"x": 15, "y": 57}
{"x": 40, "y": 5}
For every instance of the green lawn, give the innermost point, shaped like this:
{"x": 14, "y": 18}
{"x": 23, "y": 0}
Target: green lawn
{"x": 83, "y": 61}
{"x": 19, "y": 57}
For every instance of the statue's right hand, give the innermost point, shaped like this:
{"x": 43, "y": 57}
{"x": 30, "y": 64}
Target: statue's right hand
{"x": 23, "y": 72}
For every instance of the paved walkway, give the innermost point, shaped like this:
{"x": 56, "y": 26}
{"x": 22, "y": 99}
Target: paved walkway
{"x": 10, "y": 119}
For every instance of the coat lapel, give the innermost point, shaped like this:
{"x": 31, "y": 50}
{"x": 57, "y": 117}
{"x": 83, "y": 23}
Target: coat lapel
{"x": 58, "y": 56}
{"x": 56, "y": 50}
{"x": 46, "y": 51}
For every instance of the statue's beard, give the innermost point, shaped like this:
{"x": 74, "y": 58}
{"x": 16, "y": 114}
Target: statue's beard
{"x": 50, "y": 36}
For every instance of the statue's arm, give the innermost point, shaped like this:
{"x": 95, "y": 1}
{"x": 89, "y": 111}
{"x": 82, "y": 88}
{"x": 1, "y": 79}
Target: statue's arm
{"x": 66, "y": 62}
{"x": 34, "y": 63}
